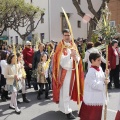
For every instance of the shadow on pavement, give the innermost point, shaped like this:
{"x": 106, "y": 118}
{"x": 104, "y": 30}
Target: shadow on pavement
{"x": 54, "y": 115}
{"x": 113, "y": 90}
{"x": 5, "y": 111}
{"x": 33, "y": 97}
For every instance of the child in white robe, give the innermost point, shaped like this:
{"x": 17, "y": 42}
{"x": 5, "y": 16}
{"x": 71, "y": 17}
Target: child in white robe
{"x": 94, "y": 90}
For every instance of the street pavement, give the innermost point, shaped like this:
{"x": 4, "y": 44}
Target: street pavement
{"x": 47, "y": 110}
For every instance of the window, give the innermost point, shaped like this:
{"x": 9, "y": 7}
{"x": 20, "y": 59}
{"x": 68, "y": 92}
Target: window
{"x": 11, "y": 38}
{"x": 64, "y": 24}
{"x": 112, "y": 23}
{"x": 79, "y": 24}
{"x": 79, "y": 2}
{"x": 42, "y": 20}
{"x": 42, "y": 36}
{"x": 31, "y": 1}
{"x": 16, "y": 39}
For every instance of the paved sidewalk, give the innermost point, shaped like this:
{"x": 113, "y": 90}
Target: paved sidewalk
{"x": 35, "y": 110}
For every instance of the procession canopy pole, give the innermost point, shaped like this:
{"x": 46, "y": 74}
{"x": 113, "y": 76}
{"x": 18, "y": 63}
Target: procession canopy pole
{"x": 106, "y": 31}
{"x": 14, "y": 52}
{"x": 106, "y": 86}
{"x": 76, "y": 64}
{"x": 108, "y": 37}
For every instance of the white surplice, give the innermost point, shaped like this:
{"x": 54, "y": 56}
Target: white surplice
{"x": 94, "y": 88}
{"x": 64, "y": 100}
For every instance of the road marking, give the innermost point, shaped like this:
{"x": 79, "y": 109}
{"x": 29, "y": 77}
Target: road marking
{"x": 111, "y": 110}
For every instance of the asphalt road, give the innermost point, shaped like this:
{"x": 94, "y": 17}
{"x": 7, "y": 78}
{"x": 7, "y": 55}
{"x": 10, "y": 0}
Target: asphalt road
{"x": 47, "y": 110}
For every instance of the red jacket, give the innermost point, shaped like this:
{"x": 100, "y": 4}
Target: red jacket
{"x": 112, "y": 57}
{"x": 28, "y": 55}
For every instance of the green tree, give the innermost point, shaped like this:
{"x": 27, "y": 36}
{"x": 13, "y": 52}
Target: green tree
{"x": 97, "y": 14}
{"x": 16, "y": 14}
{"x": 104, "y": 29}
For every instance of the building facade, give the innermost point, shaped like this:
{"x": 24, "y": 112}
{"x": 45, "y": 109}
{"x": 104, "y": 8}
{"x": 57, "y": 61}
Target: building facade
{"x": 114, "y": 7}
{"x": 50, "y": 28}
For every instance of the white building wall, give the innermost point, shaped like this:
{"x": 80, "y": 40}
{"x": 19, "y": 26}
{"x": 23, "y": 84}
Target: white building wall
{"x": 70, "y": 8}
{"x": 13, "y": 34}
{"x": 52, "y": 19}
{"x": 56, "y": 19}
{"x": 42, "y": 27}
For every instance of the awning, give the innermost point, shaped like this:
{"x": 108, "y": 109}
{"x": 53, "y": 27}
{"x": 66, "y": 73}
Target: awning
{"x": 3, "y": 38}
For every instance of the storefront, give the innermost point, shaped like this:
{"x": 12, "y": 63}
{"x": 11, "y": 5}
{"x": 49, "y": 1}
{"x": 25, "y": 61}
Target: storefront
{"x": 3, "y": 40}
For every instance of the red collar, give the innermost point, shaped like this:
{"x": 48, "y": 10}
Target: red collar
{"x": 95, "y": 67}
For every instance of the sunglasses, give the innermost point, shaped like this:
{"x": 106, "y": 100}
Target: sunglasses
{"x": 67, "y": 35}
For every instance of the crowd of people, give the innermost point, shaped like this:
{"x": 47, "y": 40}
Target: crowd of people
{"x": 53, "y": 66}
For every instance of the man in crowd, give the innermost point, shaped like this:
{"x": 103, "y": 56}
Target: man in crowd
{"x": 28, "y": 53}
{"x": 36, "y": 60}
{"x": 64, "y": 80}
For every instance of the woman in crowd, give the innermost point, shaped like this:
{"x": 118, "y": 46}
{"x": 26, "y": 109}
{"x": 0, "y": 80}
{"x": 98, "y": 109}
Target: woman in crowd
{"x": 3, "y": 47}
{"x": 113, "y": 58}
{"x": 4, "y": 95}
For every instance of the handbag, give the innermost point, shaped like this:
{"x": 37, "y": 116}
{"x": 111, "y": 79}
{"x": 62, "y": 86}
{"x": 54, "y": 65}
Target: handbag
{"x": 34, "y": 73}
{"x": 19, "y": 85}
